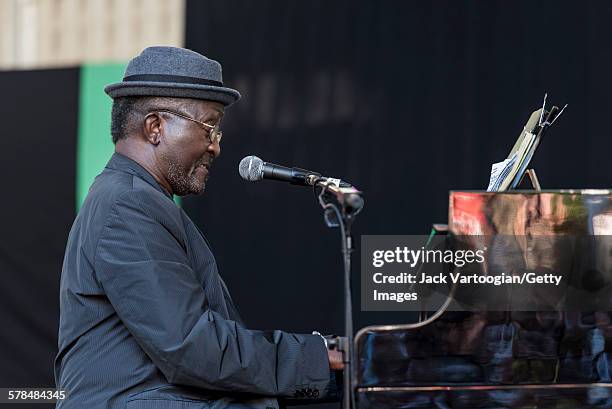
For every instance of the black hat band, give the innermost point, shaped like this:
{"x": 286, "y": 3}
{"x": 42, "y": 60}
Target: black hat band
{"x": 172, "y": 78}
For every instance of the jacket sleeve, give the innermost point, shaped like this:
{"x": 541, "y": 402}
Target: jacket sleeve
{"x": 144, "y": 270}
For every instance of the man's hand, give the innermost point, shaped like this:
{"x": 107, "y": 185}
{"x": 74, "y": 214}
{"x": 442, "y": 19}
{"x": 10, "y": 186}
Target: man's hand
{"x": 336, "y": 360}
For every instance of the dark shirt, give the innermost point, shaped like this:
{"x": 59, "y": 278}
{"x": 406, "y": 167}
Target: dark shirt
{"x": 147, "y": 321}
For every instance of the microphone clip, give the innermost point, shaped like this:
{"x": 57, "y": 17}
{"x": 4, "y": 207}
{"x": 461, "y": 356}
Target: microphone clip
{"x": 347, "y": 197}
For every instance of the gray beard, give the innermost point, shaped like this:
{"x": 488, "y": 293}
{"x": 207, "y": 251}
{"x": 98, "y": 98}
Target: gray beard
{"x": 181, "y": 183}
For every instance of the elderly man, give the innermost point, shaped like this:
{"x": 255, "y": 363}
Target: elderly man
{"x": 146, "y": 320}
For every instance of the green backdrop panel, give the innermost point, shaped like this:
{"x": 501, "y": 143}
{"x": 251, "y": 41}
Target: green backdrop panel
{"x": 94, "y": 145}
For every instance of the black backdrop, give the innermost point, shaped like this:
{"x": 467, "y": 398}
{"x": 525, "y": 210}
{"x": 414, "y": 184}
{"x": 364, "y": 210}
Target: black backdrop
{"x": 38, "y": 111}
{"x": 406, "y": 99}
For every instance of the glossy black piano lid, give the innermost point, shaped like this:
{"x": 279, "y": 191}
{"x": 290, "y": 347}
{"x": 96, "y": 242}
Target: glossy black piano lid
{"x": 498, "y": 359}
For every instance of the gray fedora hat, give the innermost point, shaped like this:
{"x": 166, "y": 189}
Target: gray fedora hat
{"x": 173, "y": 72}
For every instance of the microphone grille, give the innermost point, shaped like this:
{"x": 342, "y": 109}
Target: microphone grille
{"x": 251, "y": 168}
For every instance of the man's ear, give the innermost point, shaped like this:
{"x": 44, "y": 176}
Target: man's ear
{"x": 153, "y": 128}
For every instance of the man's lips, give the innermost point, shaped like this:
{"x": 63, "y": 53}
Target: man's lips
{"x": 205, "y": 165}
{"x": 204, "y": 168}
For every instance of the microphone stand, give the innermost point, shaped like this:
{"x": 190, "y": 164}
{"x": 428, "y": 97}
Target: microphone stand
{"x": 340, "y": 207}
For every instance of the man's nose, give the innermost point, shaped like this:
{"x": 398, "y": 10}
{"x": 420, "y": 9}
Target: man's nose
{"x": 215, "y": 149}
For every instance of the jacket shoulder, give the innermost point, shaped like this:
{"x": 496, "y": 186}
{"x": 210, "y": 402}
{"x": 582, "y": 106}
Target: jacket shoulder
{"x": 114, "y": 186}
{"x": 114, "y": 189}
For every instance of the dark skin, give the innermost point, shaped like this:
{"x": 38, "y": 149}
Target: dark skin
{"x": 174, "y": 150}
{"x": 177, "y": 152}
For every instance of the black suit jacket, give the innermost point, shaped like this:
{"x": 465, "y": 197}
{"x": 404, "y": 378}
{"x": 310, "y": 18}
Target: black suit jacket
{"x": 147, "y": 322}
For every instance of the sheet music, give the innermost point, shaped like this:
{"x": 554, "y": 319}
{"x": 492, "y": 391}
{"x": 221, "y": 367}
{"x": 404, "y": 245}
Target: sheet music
{"x": 502, "y": 173}
{"x": 499, "y": 172}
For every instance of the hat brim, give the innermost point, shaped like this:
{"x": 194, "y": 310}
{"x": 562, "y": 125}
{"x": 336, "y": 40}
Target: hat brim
{"x": 226, "y": 96}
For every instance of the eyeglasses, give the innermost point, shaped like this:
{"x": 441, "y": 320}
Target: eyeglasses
{"x": 214, "y": 134}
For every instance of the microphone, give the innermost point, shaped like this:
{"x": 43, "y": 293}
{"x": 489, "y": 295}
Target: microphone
{"x": 252, "y": 168}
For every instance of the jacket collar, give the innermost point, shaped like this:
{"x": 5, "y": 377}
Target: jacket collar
{"x": 123, "y": 163}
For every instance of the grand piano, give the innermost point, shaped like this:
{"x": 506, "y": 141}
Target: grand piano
{"x": 498, "y": 359}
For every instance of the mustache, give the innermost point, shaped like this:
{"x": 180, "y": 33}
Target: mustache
{"x": 206, "y": 162}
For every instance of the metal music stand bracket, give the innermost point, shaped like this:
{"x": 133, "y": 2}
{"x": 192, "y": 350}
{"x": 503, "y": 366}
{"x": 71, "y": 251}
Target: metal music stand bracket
{"x": 545, "y": 121}
{"x": 533, "y": 178}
